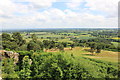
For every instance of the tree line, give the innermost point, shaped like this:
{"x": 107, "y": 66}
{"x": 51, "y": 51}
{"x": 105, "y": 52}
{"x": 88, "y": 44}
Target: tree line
{"x": 16, "y": 42}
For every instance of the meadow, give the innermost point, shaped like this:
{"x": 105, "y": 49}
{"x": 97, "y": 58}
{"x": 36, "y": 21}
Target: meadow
{"x": 62, "y": 54}
{"x": 105, "y": 55}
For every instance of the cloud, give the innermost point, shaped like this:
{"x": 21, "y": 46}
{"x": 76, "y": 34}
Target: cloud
{"x": 7, "y": 7}
{"x": 55, "y": 18}
{"x": 37, "y": 4}
{"x": 74, "y": 4}
{"x": 26, "y": 14}
{"x": 110, "y": 7}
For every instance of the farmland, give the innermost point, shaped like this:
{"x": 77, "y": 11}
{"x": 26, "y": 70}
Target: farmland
{"x": 108, "y": 56}
{"x": 68, "y": 53}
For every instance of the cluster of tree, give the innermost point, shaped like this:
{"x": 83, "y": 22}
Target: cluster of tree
{"x": 36, "y": 45}
{"x": 16, "y": 42}
{"x": 13, "y": 42}
{"x": 106, "y": 33}
{"x": 98, "y": 44}
{"x": 57, "y": 66}
{"x": 54, "y": 37}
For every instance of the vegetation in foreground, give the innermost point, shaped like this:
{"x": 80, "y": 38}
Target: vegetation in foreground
{"x": 37, "y": 61}
{"x": 58, "y": 66}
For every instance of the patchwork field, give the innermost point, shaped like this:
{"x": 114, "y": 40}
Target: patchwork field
{"x": 116, "y": 38}
{"x": 116, "y": 44}
{"x": 60, "y": 54}
{"x": 103, "y": 56}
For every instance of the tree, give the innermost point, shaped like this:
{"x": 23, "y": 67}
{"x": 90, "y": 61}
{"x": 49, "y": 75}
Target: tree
{"x": 41, "y": 45}
{"x": 34, "y": 37}
{"x": 99, "y": 47}
{"x": 8, "y": 68}
{"x": 17, "y": 38}
{"x": 46, "y": 44}
{"x": 72, "y": 46}
{"x": 65, "y": 44}
{"x": 51, "y": 44}
{"x": 10, "y": 45}
{"x": 6, "y": 37}
{"x": 60, "y": 47}
{"x": 33, "y": 46}
{"x": 92, "y": 46}
{"x": 13, "y": 44}
{"x": 26, "y": 64}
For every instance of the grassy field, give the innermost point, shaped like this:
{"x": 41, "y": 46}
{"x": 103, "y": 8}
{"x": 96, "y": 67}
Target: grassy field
{"x": 78, "y": 51}
{"x": 65, "y": 40}
{"x": 116, "y": 44}
{"x": 57, "y": 37}
{"x": 85, "y": 37}
{"x": 116, "y": 38}
{"x": 103, "y": 56}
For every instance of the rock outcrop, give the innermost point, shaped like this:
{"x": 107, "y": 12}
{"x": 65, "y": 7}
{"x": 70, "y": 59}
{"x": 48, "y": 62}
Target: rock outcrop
{"x": 9, "y": 54}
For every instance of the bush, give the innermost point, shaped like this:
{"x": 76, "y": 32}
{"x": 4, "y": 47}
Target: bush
{"x": 62, "y": 66}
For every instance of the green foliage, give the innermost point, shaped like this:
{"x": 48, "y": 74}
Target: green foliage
{"x": 17, "y": 38}
{"x": 60, "y": 47}
{"x": 65, "y": 44}
{"x": 58, "y": 65}
{"x": 34, "y": 46}
{"x": 21, "y": 56}
{"x": 34, "y": 37}
{"x": 6, "y": 37}
{"x": 48, "y": 44}
{"x": 62, "y": 66}
{"x": 8, "y": 69}
{"x": 25, "y": 72}
{"x": 9, "y": 45}
{"x": 13, "y": 43}
{"x": 72, "y": 45}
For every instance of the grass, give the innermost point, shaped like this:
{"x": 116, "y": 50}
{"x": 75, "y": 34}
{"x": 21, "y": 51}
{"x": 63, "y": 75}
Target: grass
{"x": 64, "y": 40}
{"x": 105, "y": 56}
{"x": 85, "y": 37}
{"x": 53, "y": 36}
{"x": 116, "y": 44}
{"x": 76, "y": 51}
{"x": 49, "y": 35}
{"x": 80, "y": 51}
{"x": 69, "y": 34}
{"x": 116, "y": 38}
{"x": 108, "y": 56}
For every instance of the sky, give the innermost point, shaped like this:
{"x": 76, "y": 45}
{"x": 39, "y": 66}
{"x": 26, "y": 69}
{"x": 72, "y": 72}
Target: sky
{"x": 28, "y": 14}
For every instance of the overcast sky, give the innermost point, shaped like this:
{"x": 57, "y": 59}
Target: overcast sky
{"x": 20, "y": 14}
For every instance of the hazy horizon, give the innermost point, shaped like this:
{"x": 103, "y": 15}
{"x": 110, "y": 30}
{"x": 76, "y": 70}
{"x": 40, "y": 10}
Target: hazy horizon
{"x": 50, "y": 29}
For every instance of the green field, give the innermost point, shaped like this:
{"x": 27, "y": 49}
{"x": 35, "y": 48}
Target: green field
{"x": 108, "y": 56}
{"x": 116, "y": 44}
{"x": 60, "y": 54}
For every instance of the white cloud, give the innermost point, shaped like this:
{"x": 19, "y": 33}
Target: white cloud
{"x": 108, "y": 6}
{"x": 39, "y": 3}
{"x": 7, "y": 7}
{"x": 65, "y": 19}
{"x": 74, "y": 4}
{"x": 54, "y": 17}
